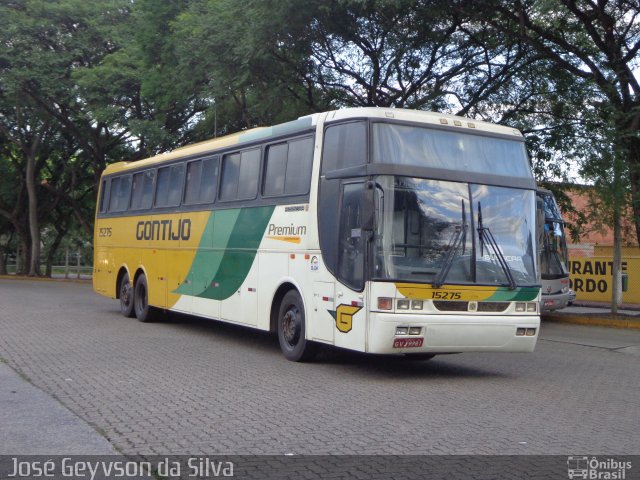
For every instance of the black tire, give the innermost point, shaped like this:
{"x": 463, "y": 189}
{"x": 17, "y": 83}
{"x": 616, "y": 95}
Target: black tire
{"x": 292, "y": 331}
{"x": 143, "y": 311}
{"x": 419, "y": 357}
{"x": 125, "y": 293}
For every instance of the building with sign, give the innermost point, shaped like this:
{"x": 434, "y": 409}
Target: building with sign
{"x": 591, "y": 258}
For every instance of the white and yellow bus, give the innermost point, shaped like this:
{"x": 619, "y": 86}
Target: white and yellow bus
{"x": 554, "y": 257}
{"x": 378, "y": 230}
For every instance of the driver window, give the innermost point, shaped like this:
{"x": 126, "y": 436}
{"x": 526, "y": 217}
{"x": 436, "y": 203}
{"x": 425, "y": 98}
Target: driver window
{"x": 352, "y": 244}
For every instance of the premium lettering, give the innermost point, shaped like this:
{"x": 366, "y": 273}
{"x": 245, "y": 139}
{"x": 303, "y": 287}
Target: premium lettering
{"x": 290, "y": 230}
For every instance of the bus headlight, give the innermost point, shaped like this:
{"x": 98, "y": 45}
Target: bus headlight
{"x": 532, "y": 307}
{"x": 521, "y": 306}
{"x": 403, "y": 304}
{"x": 416, "y": 304}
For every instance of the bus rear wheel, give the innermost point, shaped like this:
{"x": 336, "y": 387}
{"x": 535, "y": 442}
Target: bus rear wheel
{"x": 292, "y": 331}
{"x": 144, "y": 312}
{"x": 125, "y": 294}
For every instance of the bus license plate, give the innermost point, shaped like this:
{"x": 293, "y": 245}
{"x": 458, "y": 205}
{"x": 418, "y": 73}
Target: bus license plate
{"x": 407, "y": 342}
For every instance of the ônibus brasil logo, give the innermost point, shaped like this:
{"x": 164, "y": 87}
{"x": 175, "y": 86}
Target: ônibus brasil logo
{"x": 597, "y": 469}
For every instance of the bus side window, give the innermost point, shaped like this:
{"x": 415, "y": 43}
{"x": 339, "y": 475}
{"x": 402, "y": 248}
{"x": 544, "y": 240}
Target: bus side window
{"x": 345, "y": 145}
{"x": 120, "y": 193}
{"x": 142, "y": 191}
{"x": 240, "y": 171}
{"x": 209, "y": 180}
{"x": 170, "y": 182}
{"x": 275, "y": 169}
{"x": 351, "y": 261}
{"x": 288, "y": 168}
{"x": 104, "y": 195}
{"x": 194, "y": 176}
{"x": 201, "y": 181}
{"x": 249, "y": 173}
{"x": 299, "y": 162}
{"x": 230, "y": 175}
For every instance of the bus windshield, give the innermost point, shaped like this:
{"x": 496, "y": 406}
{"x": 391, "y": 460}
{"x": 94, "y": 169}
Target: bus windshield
{"x": 433, "y": 230}
{"x": 554, "y": 257}
{"x": 428, "y": 147}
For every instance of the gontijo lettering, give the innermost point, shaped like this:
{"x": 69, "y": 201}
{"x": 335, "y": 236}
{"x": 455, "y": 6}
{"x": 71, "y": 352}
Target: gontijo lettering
{"x": 163, "y": 230}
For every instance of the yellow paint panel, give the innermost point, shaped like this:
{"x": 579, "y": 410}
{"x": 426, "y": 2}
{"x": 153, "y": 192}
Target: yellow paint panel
{"x": 157, "y": 244}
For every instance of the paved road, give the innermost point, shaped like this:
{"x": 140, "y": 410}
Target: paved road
{"x": 188, "y": 386}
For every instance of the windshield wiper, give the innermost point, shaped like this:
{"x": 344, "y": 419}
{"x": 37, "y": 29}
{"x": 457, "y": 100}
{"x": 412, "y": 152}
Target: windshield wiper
{"x": 487, "y": 237}
{"x": 457, "y": 242}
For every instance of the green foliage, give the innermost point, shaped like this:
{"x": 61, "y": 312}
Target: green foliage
{"x": 115, "y": 79}
{"x": 595, "y": 45}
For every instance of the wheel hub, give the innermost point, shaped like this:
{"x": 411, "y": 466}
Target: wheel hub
{"x": 125, "y": 293}
{"x": 291, "y": 326}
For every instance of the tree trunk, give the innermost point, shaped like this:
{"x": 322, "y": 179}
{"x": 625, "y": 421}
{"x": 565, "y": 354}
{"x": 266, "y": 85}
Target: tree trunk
{"x": 616, "y": 284}
{"x": 3, "y": 263}
{"x": 24, "y": 259}
{"x": 34, "y": 226}
{"x": 619, "y": 204}
{"x": 53, "y": 249}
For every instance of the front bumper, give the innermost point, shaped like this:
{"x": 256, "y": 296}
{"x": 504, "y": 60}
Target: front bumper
{"x": 556, "y": 301}
{"x": 453, "y": 333}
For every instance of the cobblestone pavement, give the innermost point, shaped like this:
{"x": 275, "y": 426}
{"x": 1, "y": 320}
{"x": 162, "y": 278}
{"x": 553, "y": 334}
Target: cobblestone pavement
{"x": 190, "y": 386}
{"x": 33, "y": 423}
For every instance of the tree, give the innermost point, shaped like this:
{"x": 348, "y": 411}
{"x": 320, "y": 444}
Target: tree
{"x": 597, "y": 42}
{"x": 142, "y": 89}
{"x": 273, "y": 60}
{"x": 230, "y": 55}
{"x": 422, "y": 55}
{"x": 22, "y": 125}
{"x": 43, "y": 43}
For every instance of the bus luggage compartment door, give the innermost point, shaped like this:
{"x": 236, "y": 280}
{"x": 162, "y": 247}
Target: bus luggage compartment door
{"x": 321, "y": 322}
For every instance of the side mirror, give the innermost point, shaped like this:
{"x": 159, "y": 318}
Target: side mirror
{"x": 367, "y": 207}
{"x": 540, "y": 221}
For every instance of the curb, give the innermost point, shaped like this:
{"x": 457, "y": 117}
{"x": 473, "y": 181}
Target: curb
{"x": 45, "y": 279}
{"x": 618, "y": 321}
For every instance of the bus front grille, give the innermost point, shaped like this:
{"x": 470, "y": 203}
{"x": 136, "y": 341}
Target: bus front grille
{"x": 461, "y": 306}
{"x": 492, "y": 306}
{"x": 451, "y": 305}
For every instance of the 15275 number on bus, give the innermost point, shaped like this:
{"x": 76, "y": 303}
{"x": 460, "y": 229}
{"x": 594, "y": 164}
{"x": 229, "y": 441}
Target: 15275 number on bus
{"x": 446, "y": 295}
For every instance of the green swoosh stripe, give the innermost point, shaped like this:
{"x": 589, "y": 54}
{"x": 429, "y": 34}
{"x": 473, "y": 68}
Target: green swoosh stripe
{"x": 226, "y": 253}
{"x": 521, "y": 294}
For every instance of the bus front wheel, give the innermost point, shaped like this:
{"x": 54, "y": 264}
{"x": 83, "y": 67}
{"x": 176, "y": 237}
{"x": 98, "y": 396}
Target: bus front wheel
{"x": 144, "y": 312}
{"x": 292, "y": 331}
{"x": 125, "y": 293}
